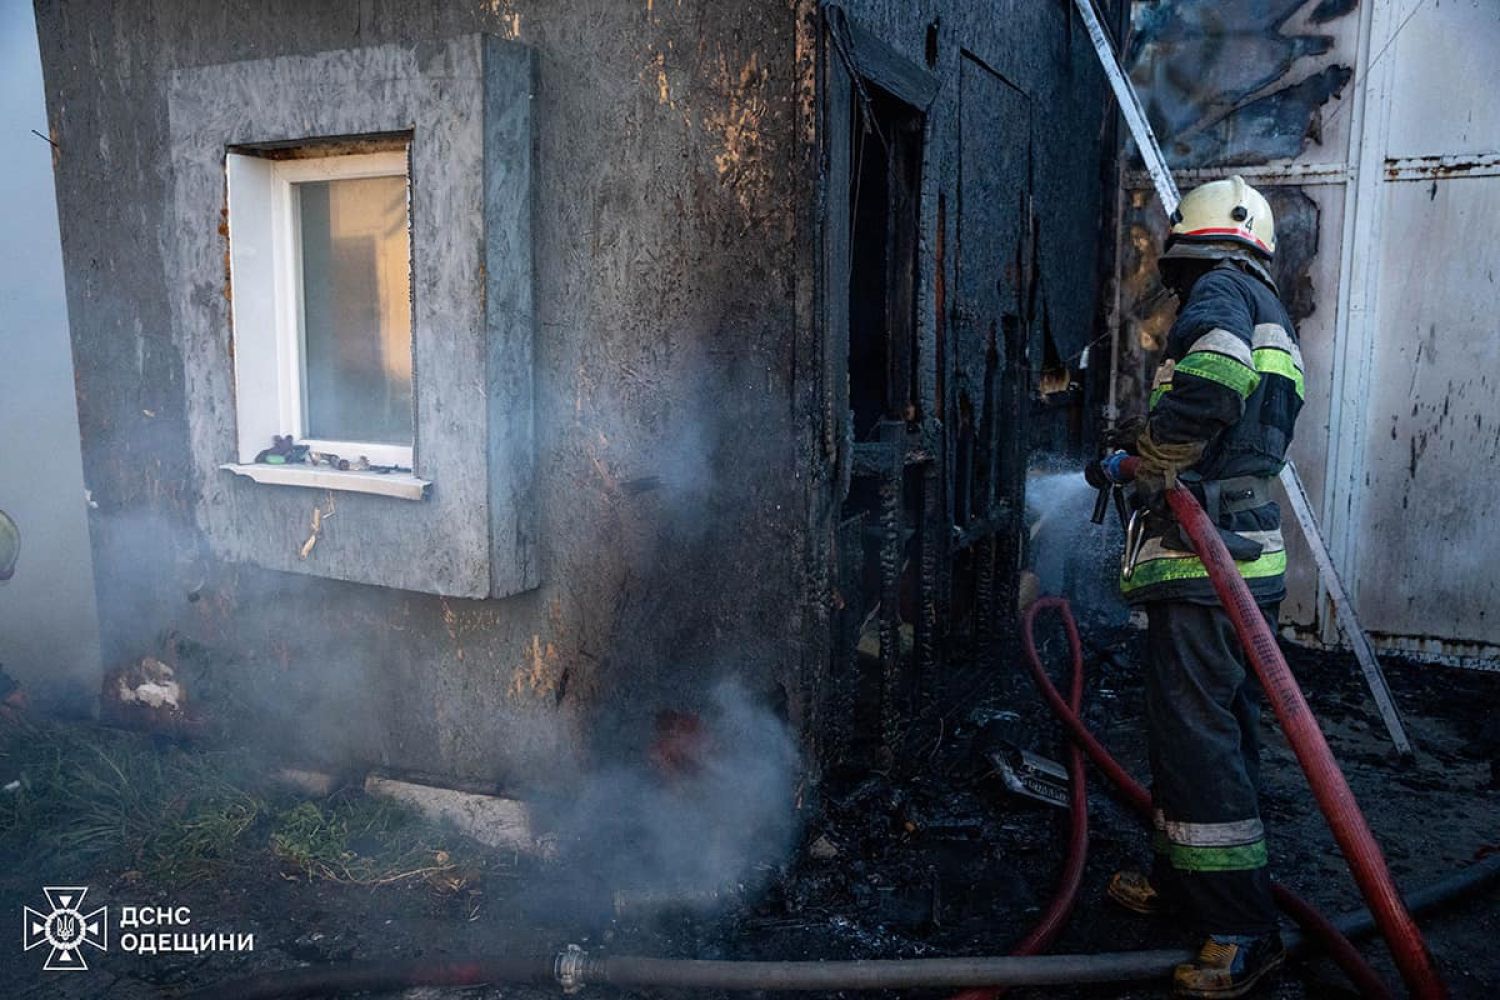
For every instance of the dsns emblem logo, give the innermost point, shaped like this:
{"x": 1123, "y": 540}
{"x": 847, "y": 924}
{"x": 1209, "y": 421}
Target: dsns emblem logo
{"x": 66, "y": 929}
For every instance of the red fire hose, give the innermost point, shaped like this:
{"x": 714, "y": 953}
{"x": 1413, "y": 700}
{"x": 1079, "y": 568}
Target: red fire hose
{"x": 1317, "y": 926}
{"x": 1056, "y": 915}
{"x": 574, "y": 969}
{"x": 1350, "y": 830}
{"x": 1331, "y": 790}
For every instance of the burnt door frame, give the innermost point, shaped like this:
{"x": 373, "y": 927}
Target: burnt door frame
{"x": 854, "y": 64}
{"x": 852, "y": 58}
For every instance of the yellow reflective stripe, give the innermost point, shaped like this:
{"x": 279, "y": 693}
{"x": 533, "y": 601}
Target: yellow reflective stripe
{"x": 1158, "y": 393}
{"x": 1245, "y": 857}
{"x": 1272, "y": 361}
{"x": 1170, "y": 569}
{"x": 1220, "y": 368}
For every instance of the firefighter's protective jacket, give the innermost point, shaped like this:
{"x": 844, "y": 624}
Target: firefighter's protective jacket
{"x": 1230, "y": 387}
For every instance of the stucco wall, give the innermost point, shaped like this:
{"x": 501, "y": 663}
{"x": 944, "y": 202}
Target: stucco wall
{"x": 666, "y": 484}
{"x": 686, "y": 480}
{"x": 466, "y": 104}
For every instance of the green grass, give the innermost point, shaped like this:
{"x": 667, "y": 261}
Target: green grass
{"x": 336, "y": 839}
{"x": 114, "y": 798}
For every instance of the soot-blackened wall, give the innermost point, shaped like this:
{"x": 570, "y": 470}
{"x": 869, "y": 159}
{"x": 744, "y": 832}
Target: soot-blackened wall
{"x": 922, "y": 518}
{"x": 694, "y": 454}
{"x": 666, "y": 489}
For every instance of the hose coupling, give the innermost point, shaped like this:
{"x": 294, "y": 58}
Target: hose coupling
{"x": 568, "y": 968}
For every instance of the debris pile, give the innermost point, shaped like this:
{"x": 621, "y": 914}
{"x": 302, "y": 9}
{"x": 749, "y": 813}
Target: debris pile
{"x": 147, "y": 694}
{"x": 285, "y": 451}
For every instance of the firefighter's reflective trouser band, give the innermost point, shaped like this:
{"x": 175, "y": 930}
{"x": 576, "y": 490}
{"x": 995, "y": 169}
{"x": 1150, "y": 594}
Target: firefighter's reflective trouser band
{"x": 1211, "y": 847}
{"x": 1203, "y": 710}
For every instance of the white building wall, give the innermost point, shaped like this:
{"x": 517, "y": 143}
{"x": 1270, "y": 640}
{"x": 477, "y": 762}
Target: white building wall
{"x": 49, "y": 635}
{"x": 1422, "y": 487}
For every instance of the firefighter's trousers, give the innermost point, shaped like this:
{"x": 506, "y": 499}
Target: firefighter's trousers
{"x": 1203, "y": 709}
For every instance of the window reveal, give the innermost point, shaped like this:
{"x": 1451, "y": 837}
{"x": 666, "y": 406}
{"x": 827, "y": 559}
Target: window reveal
{"x": 320, "y": 260}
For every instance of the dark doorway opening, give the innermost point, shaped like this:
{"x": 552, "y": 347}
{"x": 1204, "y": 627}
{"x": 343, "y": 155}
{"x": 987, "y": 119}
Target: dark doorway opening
{"x": 881, "y": 541}
{"x": 884, "y": 212}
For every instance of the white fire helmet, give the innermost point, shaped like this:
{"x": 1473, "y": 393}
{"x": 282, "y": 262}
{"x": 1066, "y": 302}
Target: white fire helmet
{"x": 1220, "y": 212}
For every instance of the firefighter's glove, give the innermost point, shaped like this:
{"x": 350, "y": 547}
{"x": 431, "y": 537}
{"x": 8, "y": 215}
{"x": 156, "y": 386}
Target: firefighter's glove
{"x": 1159, "y": 466}
{"x": 1150, "y": 490}
{"x": 1126, "y": 435}
{"x": 1107, "y": 471}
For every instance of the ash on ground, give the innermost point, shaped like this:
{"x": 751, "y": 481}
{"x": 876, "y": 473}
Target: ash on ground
{"x": 937, "y": 859}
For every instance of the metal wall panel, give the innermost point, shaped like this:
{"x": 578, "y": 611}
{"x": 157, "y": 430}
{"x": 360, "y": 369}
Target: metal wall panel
{"x": 1309, "y": 448}
{"x": 1246, "y": 83}
{"x": 1428, "y": 536}
{"x": 1420, "y": 490}
{"x": 1445, "y": 78}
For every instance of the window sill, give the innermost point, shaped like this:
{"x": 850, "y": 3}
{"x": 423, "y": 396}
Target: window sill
{"x": 401, "y": 485}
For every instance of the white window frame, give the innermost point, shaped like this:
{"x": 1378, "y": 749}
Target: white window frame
{"x": 265, "y": 264}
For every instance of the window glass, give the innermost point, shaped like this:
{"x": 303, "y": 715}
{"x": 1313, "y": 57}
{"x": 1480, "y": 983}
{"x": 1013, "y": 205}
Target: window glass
{"x": 356, "y": 309}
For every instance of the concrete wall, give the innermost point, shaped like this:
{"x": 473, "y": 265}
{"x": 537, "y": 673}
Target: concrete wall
{"x": 686, "y": 489}
{"x": 49, "y": 633}
{"x": 666, "y": 483}
{"x": 467, "y": 105}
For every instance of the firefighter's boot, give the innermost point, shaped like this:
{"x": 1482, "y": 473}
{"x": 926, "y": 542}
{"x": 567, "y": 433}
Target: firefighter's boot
{"x": 1137, "y": 893}
{"x": 1229, "y": 966}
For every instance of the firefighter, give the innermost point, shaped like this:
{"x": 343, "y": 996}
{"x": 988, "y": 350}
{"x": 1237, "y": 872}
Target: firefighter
{"x": 1221, "y": 414}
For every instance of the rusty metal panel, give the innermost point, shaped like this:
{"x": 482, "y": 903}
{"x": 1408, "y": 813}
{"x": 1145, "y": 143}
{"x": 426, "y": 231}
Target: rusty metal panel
{"x": 1432, "y": 500}
{"x": 1245, "y": 83}
{"x": 1312, "y": 286}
